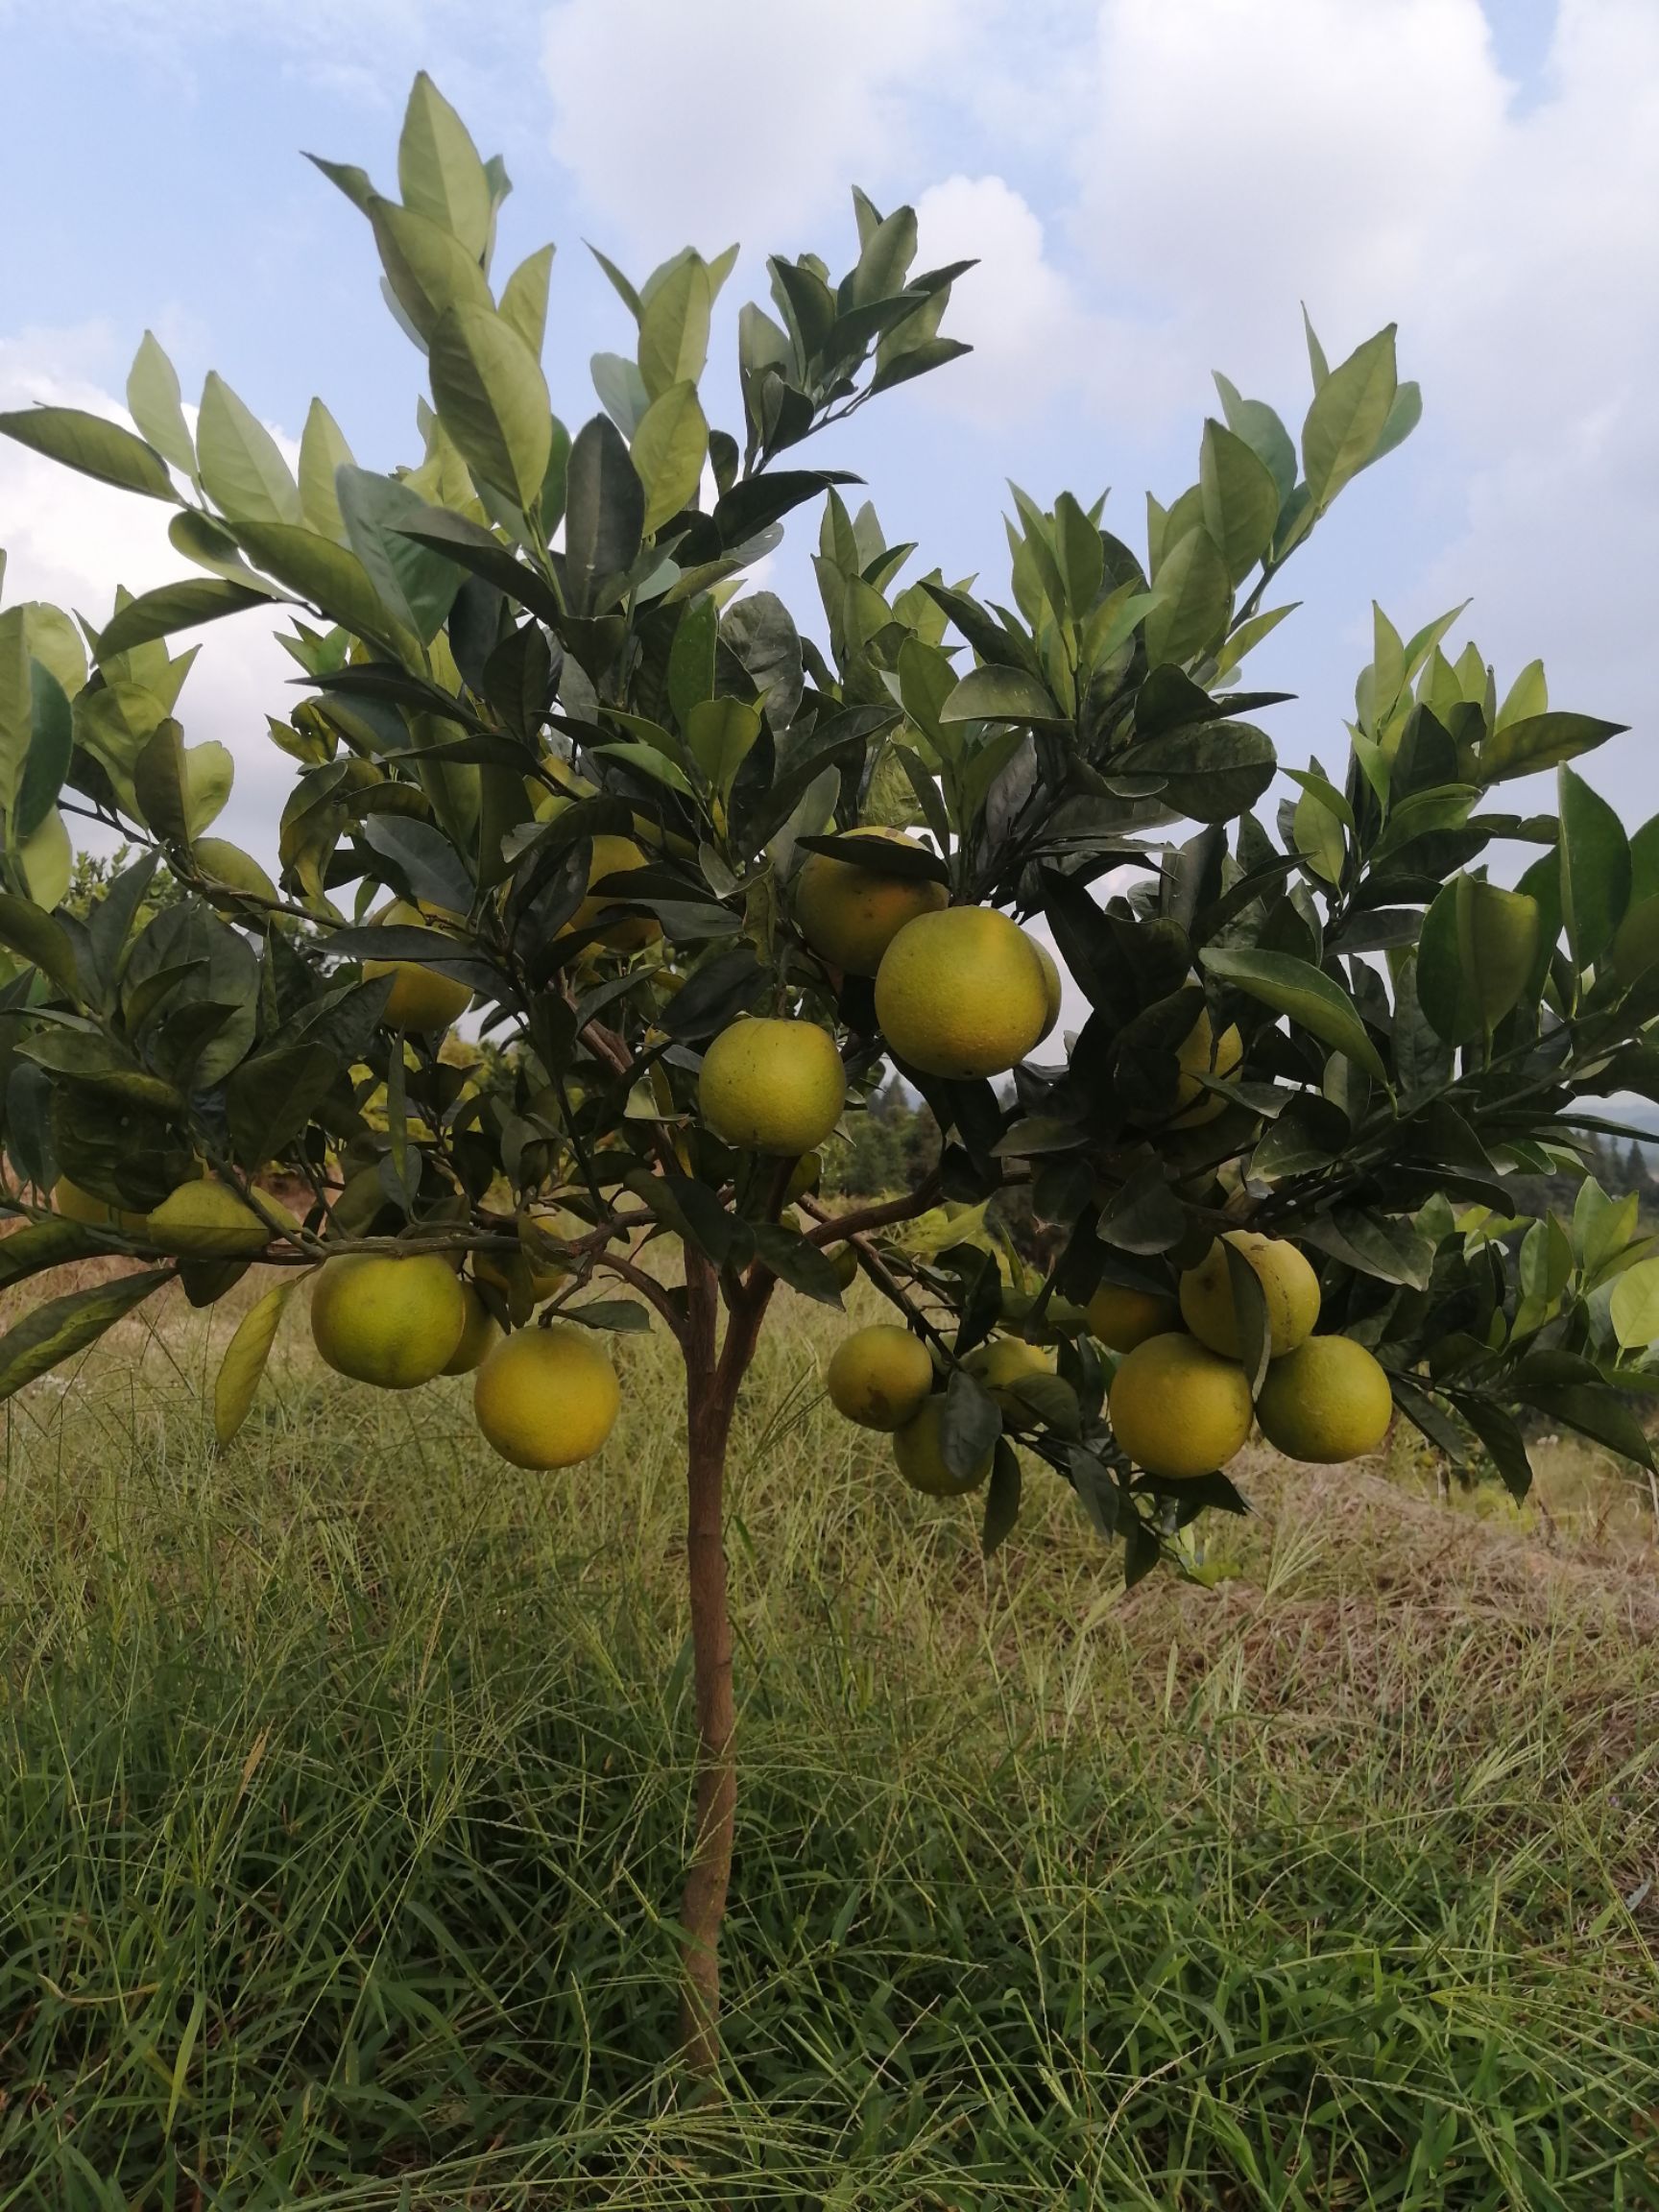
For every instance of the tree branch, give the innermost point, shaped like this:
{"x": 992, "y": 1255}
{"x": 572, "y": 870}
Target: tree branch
{"x": 842, "y": 1228}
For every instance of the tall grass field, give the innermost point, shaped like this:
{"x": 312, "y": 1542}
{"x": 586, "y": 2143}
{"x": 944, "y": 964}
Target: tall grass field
{"x": 344, "y": 1799}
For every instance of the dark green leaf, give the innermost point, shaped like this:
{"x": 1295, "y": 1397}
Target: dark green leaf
{"x": 1595, "y": 869}
{"x": 1474, "y": 956}
{"x": 1542, "y": 741}
{"x": 48, "y": 1335}
{"x": 94, "y": 447}
{"x": 1211, "y": 772}
{"x": 604, "y": 510}
{"x": 970, "y": 1426}
{"x": 1001, "y": 1499}
{"x": 1305, "y": 992}
{"x": 175, "y": 607}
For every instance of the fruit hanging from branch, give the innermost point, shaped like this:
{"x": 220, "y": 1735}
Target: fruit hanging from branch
{"x": 699, "y": 870}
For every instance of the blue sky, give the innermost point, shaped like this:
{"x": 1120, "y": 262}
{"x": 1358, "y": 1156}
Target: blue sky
{"x": 1154, "y": 185}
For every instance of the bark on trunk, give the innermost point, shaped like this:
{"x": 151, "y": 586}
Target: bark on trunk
{"x": 711, "y": 1387}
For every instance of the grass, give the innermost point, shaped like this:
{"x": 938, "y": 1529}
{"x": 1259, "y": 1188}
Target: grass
{"x": 343, "y": 1788}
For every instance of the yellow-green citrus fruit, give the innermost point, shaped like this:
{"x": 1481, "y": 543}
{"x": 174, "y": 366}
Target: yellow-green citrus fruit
{"x": 1215, "y": 1056}
{"x": 961, "y": 992}
{"x": 1050, "y": 985}
{"x": 478, "y": 1333}
{"x": 1325, "y": 1402}
{"x": 844, "y": 1264}
{"x": 1123, "y": 1318}
{"x": 421, "y": 997}
{"x": 542, "y": 1278}
{"x": 206, "y": 1221}
{"x": 921, "y": 1457}
{"x": 221, "y": 862}
{"x": 614, "y": 855}
{"x": 879, "y": 1377}
{"x": 77, "y": 1204}
{"x": 1290, "y": 1288}
{"x": 773, "y": 1086}
{"x": 850, "y": 913}
{"x": 547, "y": 1397}
{"x": 804, "y": 1177}
{"x": 1177, "y": 1410}
{"x": 391, "y": 1321}
{"x": 1003, "y": 1361}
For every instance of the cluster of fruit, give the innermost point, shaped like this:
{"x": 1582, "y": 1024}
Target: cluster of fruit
{"x": 1180, "y": 1402}
{"x": 542, "y": 1397}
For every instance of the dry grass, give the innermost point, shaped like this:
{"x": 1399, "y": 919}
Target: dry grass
{"x": 1321, "y": 1886}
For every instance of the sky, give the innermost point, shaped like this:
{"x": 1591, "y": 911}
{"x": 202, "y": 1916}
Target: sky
{"x": 1152, "y": 187}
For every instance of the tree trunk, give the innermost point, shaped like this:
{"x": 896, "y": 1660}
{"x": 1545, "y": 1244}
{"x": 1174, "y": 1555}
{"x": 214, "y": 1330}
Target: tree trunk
{"x": 712, "y": 1389}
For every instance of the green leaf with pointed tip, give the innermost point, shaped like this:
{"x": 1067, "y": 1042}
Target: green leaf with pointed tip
{"x": 155, "y": 402}
{"x": 674, "y": 328}
{"x": 1595, "y": 858}
{"x": 492, "y": 397}
{"x": 1635, "y": 1306}
{"x": 1241, "y": 499}
{"x": 427, "y": 268}
{"x": 330, "y": 576}
{"x": 243, "y": 471}
{"x": 525, "y": 298}
{"x": 604, "y": 510}
{"x": 1316, "y": 360}
{"x": 416, "y": 584}
{"x": 1475, "y": 957}
{"x": 175, "y": 607}
{"x": 1261, "y": 430}
{"x": 1542, "y": 741}
{"x": 1342, "y": 426}
{"x": 48, "y": 1335}
{"x": 1403, "y": 417}
{"x": 1195, "y": 598}
{"x": 439, "y": 171}
{"x": 721, "y": 733}
{"x": 668, "y": 451}
{"x": 46, "y": 763}
{"x": 243, "y": 1362}
{"x": 181, "y": 788}
{"x": 993, "y": 694}
{"x": 323, "y": 451}
{"x": 35, "y": 937}
{"x": 1304, "y": 993}
{"x": 97, "y": 449}
{"x": 1210, "y": 771}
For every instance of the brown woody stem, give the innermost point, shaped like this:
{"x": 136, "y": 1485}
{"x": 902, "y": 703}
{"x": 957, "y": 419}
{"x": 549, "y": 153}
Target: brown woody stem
{"x": 711, "y": 1387}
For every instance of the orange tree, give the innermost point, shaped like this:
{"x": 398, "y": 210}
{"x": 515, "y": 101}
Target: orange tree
{"x": 703, "y": 880}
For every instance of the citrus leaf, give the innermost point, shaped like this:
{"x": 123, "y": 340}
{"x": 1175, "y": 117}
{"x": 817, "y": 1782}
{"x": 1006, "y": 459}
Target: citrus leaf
{"x": 1001, "y": 1498}
{"x": 1634, "y": 1308}
{"x": 154, "y": 402}
{"x": 1241, "y": 499}
{"x": 1195, "y": 600}
{"x": 243, "y": 471}
{"x": 1347, "y": 417}
{"x": 1542, "y": 741}
{"x": 1595, "y": 858}
{"x": 439, "y": 171}
{"x": 97, "y": 449}
{"x": 1474, "y": 956}
{"x": 668, "y": 451}
{"x": 1306, "y": 993}
{"x": 42, "y": 1244}
{"x": 993, "y": 694}
{"x": 175, "y": 607}
{"x": 492, "y": 397}
{"x": 53, "y": 1333}
{"x": 244, "y": 1360}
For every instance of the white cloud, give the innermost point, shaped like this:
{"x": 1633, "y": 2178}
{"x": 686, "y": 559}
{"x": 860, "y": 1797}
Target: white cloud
{"x": 70, "y": 540}
{"x": 1374, "y": 160}
{"x": 742, "y": 119}
{"x": 1029, "y": 333}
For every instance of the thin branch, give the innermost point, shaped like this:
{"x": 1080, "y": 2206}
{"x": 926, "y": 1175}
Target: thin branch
{"x": 842, "y": 1228}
